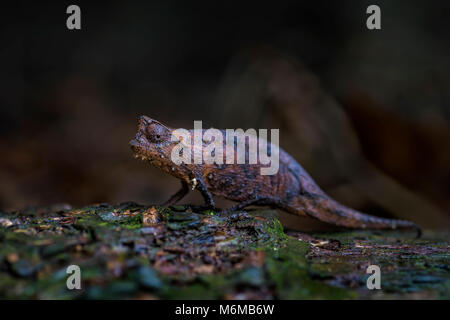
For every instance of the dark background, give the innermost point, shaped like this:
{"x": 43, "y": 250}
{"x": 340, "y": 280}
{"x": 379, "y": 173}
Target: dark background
{"x": 365, "y": 112}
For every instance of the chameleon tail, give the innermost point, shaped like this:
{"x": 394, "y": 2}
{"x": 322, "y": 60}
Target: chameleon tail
{"x": 327, "y": 210}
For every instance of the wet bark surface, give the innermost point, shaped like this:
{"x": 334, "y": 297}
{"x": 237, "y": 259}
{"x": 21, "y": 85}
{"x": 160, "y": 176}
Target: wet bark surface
{"x": 143, "y": 252}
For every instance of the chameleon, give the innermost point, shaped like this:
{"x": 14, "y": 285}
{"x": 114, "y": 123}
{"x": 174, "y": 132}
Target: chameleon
{"x": 291, "y": 189}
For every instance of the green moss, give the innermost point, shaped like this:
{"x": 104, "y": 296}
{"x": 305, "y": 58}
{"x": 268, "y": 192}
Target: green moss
{"x": 289, "y": 271}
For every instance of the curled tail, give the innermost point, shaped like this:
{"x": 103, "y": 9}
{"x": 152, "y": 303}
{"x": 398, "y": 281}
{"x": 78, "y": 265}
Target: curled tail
{"x": 323, "y": 208}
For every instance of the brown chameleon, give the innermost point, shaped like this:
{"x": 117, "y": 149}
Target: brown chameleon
{"x": 291, "y": 189}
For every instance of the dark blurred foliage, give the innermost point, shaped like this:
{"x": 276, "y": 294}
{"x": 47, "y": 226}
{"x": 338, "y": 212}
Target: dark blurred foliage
{"x": 365, "y": 112}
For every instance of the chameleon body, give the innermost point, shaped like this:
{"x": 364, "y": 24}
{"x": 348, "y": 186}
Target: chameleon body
{"x": 291, "y": 189}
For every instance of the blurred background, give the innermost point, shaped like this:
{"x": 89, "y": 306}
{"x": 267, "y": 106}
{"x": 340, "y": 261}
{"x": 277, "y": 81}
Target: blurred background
{"x": 366, "y": 113}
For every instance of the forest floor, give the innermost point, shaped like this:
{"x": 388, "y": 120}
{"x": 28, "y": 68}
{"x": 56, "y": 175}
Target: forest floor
{"x": 143, "y": 252}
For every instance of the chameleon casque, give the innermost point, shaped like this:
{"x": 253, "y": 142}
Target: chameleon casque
{"x": 291, "y": 189}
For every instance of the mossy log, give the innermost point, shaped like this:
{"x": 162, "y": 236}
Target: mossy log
{"x": 144, "y": 252}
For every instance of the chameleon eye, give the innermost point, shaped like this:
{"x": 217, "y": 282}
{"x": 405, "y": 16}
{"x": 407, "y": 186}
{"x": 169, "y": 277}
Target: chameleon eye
{"x": 155, "y": 133}
{"x": 149, "y": 132}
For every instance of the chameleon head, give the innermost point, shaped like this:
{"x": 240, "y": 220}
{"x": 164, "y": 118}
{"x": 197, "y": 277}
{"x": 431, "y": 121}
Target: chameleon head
{"x": 152, "y": 141}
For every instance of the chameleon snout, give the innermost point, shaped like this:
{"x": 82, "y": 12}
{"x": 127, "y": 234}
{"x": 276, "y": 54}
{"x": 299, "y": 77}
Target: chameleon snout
{"x": 134, "y": 144}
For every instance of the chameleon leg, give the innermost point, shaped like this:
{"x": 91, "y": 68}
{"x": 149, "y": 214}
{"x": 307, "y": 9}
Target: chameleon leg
{"x": 207, "y": 196}
{"x": 209, "y": 201}
{"x": 177, "y": 196}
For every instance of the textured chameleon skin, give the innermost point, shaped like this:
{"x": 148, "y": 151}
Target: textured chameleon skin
{"x": 291, "y": 189}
